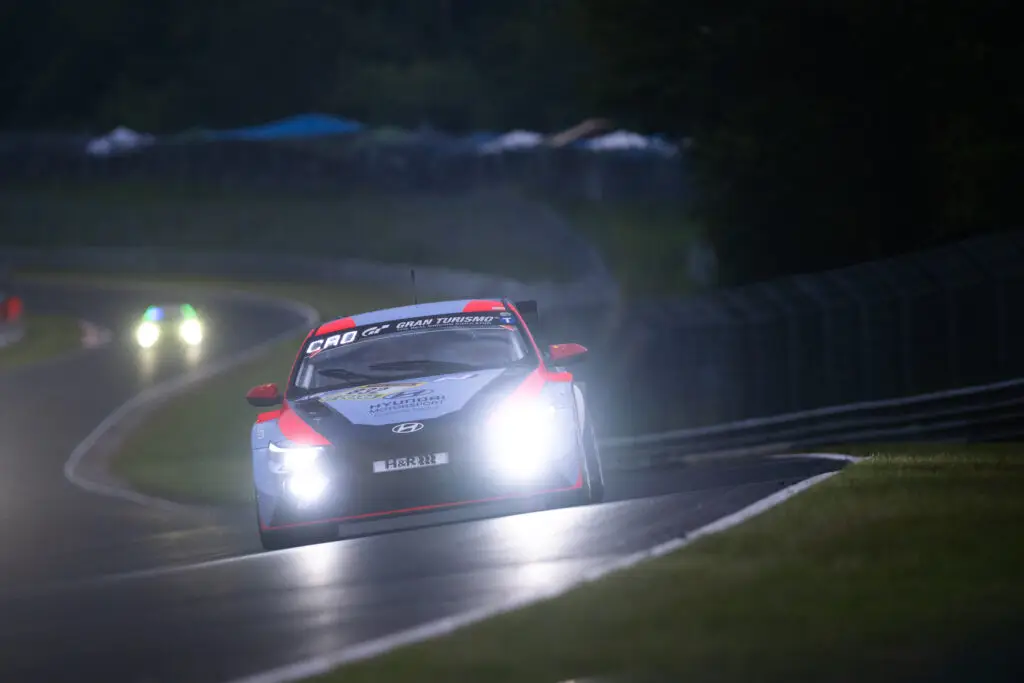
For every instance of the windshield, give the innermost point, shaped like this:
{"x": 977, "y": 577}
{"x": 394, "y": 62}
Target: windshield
{"x": 404, "y": 355}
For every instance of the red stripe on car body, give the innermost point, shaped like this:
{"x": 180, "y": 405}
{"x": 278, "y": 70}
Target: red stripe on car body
{"x": 336, "y": 326}
{"x": 483, "y": 306}
{"x": 298, "y": 431}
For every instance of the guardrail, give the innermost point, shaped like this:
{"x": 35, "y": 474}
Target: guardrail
{"x": 989, "y": 412}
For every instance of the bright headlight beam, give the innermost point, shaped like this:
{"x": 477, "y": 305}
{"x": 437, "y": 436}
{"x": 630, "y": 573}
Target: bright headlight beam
{"x": 307, "y": 487}
{"x": 288, "y": 460}
{"x": 521, "y": 435}
{"x": 191, "y": 331}
{"x": 147, "y": 334}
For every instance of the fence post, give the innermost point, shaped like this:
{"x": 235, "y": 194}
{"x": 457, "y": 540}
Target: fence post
{"x": 866, "y": 374}
{"x": 793, "y": 352}
{"x": 806, "y": 284}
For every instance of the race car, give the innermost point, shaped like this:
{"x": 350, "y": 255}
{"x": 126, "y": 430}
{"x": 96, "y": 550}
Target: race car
{"x": 420, "y": 408}
{"x": 179, "y": 323}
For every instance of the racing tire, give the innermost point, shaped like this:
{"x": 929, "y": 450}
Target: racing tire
{"x": 592, "y": 490}
{"x": 595, "y": 472}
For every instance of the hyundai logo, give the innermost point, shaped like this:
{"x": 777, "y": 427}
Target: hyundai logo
{"x": 407, "y": 428}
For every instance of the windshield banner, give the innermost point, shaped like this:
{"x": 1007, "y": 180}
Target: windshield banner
{"x": 326, "y": 342}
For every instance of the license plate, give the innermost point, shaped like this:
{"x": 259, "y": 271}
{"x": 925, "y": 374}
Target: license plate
{"x": 410, "y": 463}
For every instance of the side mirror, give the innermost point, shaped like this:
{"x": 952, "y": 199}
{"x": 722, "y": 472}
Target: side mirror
{"x": 564, "y": 354}
{"x": 264, "y": 396}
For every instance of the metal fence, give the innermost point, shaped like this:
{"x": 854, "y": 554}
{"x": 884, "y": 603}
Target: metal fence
{"x": 927, "y": 322}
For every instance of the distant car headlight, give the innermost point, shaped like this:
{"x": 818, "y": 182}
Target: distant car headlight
{"x": 191, "y": 332}
{"x": 147, "y": 334}
{"x": 523, "y": 436}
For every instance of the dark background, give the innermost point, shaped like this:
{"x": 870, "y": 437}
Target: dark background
{"x": 812, "y": 136}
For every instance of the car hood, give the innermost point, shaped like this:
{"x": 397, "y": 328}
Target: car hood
{"x": 420, "y": 398}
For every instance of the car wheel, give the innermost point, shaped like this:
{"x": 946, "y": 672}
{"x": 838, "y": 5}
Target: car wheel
{"x": 595, "y": 472}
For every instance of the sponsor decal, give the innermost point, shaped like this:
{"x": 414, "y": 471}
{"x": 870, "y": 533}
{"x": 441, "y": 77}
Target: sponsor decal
{"x": 403, "y": 404}
{"x": 445, "y": 321}
{"x": 374, "y": 330}
{"x": 330, "y": 342}
{"x": 369, "y": 392}
{"x": 369, "y": 331}
{"x": 410, "y": 462}
{"x": 407, "y": 427}
{"x": 411, "y": 393}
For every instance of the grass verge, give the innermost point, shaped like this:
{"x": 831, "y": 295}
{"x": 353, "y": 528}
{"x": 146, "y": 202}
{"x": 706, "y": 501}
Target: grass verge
{"x": 902, "y": 567}
{"x": 215, "y": 466}
{"x": 46, "y": 336}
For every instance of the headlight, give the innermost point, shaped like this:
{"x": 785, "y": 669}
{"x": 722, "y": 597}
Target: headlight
{"x": 523, "y": 436}
{"x": 294, "y": 459}
{"x": 147, "y": 334}
{"x": 307, "y": 487}
{"x": 191, "y": 332}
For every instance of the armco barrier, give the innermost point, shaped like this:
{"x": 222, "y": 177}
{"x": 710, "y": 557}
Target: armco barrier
{"x": 989, "y": 412}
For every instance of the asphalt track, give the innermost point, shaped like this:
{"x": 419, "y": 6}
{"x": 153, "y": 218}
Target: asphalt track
{"x": 95, "y": 588}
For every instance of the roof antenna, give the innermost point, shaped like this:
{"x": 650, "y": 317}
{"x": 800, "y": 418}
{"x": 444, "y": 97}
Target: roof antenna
{"x": 412, "y": 274}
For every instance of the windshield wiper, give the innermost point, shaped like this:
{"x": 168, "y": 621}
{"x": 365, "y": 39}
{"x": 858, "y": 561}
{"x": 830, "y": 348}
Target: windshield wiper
{"x": 421, "y": 364}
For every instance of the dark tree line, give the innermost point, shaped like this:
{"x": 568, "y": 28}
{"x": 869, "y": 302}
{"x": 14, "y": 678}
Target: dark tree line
{"x": 165, "y": 65}
{"x": 827, "y": 131}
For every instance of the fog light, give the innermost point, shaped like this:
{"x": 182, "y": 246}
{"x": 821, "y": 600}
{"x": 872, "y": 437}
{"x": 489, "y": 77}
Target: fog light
{"x": 307, "y": 487}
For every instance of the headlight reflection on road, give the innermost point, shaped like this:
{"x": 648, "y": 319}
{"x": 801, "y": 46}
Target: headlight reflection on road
{"x": 535, "y": 545}
{"x": 317, "y": 565}
{"x": 536, "y": 535}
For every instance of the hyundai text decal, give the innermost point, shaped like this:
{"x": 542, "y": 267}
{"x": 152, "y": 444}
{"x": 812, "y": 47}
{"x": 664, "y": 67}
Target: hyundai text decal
{"x": 368, "y": 331}
{"x": 392, "y": 404}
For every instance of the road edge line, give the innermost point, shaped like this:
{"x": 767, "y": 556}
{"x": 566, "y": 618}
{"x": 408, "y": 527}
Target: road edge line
{"x": 316, "y": 666}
